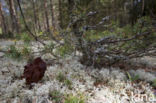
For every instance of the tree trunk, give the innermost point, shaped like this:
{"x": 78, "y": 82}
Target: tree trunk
{"x": 132, "y": 20}
{"x": 52, "y": 14}
{"x": 143, "y": 7}
{"x": 46, "y": 15}
{"x": 34, "y": 13}
{"x": 70, "y": 6}
{"x": 38, "y": 17}
{"x": 60, "y": 14}
{"x": 15, "y": 26}
{"x": 2, "y": 19}
{"x": 115, "y": 11}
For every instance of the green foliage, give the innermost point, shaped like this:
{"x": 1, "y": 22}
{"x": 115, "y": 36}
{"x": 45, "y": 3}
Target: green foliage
{"x": 18, "y": 54}
{"x": 0, "y": 31}
{"x": 133, "y": 45}
{"x": 49, "y": 48}
{"x": 154, "y": 83}
{"x": 68, "y": 83}
{"x": 134, "y": 78}
{"x": 9, "y": 35}
{"x": 55, "y": 96}
{"x": 143, "y": 25}
{"x": 91, "y": 35}
{"x": 13, "y": 52}
{"x": 26, "y": 38}
{"x": 26, "y": 51}
{"x": 65, "y": 50}
{"x": 18, "y": 36}
{"x": 62, "y": 78}
{"x": 140, "y": 43}
{"x": 74, "y": 99}
{"x": 40, "y": 33}
{"x": 95, "y": 35}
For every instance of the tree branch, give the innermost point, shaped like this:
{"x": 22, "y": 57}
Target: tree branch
{"x": 26, "y": 26}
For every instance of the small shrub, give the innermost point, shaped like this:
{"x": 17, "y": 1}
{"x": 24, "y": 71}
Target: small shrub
{"x": 40, "y": 33}
{"x": 134, "y": 78}
{"x": 26, "y": 38}
{"x": 18, "y": 36}
{"x": 62, "y": 78}
{"x": 94, "y": 35}
{"x": 55, "y": 96}
{"x": 65, "y": 50}
{"x": 154, "y": 83}
{"x": 68, "y": 83}
{"x": 18, "y": 54}
{"x": 74, "y": 99}
{"x": 26, "y": 51}
{"x": 14, "y": 53}
{"x": 49, "y": 48}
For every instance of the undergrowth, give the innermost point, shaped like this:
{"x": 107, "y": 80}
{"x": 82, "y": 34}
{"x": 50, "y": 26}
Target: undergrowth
{"x": 62, "y": 78}
{"x": 18, "y": 54}
{"x": 74, "y": 99}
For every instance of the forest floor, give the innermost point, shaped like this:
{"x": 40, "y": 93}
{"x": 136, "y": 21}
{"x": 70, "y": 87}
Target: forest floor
{"x": 72, "y": 79}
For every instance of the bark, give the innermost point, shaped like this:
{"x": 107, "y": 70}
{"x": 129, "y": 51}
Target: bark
{"x": 37, "y": 24}
{"x": 70, "y": 6}
{"x": 60, "y": 14}
{"x": 115, "y": 10}
{"x": 2, "y": 19}
{"x": 34, "y": 13}
{"x": 15, "y": 26}
{"x": 132, "y": 3}
{"x": 132, "y": 20}
{"x": 52, "y": 14}
{"x": 46, "y": 15}
{"x": 143, "y": 6}
{"x": 38, "y": 18}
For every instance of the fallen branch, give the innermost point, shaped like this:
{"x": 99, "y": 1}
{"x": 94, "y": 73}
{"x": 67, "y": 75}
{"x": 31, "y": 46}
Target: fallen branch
{"x": 109, "y": 40}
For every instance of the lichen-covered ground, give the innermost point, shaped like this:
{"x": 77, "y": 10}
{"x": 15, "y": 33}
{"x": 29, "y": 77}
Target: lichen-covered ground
{"x": 70, "y": 78}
